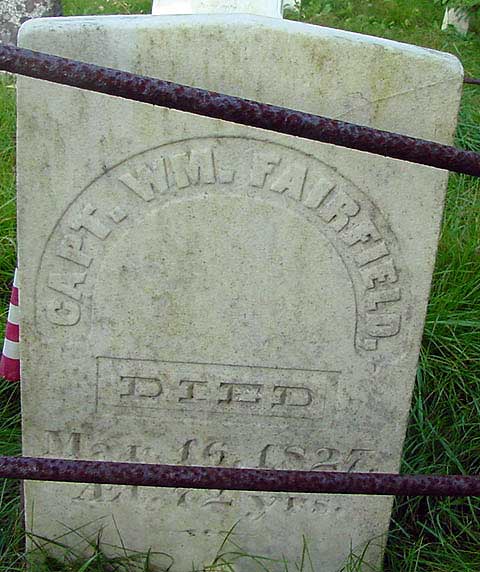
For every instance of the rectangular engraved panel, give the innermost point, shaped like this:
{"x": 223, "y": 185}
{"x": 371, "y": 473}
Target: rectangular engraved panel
{"x": 144, "y": 387}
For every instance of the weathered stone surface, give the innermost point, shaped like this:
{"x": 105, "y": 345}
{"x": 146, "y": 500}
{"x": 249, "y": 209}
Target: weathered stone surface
{"x": 195, "y": 292}
{"x": 13, "y": 13}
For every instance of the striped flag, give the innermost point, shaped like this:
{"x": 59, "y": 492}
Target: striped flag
{"x": 10, "y": 360}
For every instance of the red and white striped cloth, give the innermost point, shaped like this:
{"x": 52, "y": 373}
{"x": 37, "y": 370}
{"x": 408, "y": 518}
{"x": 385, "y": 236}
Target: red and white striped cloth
{"x": 10, "y": 360}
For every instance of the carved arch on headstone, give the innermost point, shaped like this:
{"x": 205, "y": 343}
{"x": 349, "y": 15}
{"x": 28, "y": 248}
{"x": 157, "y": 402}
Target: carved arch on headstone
{"x": 347, "y": 218}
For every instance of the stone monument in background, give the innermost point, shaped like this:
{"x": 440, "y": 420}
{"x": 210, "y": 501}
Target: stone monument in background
{"x": 459, "y": 18}
{"x": 201, "y": 293}
{"x": 265, "y": 8}
{"x": 13, "y": 13}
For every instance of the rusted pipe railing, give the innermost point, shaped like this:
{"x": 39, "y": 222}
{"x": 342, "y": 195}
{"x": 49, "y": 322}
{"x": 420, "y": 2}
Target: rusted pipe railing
{"x": 472, "y": 80}
{"x": 273, "y": 118}
{"x": 235, "y": 109}
{"x": 149, "y": 475}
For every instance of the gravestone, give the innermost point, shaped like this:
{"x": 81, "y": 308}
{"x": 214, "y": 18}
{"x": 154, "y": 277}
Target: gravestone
{"x": 13, "y": 13}
{"x": 291, "y": 4}
{"x": 264, "y": 8}
{"x": 459, "y": 18}
{"x": 201, "y": 293}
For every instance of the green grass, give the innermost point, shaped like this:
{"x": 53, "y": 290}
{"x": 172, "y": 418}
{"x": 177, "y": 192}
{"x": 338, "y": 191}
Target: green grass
{"x": 427, "y": 535}
{"x": 7, "y": 184}
{"x": 85, "y": 7}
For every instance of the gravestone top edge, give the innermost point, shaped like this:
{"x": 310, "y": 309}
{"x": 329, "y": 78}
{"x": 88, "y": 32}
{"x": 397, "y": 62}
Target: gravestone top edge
{"x": 70, "y": 24}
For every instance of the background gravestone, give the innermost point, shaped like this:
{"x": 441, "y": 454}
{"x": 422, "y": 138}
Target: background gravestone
{"x": 459, "y": 18}
{"x": 13, "y": 13}
{"x": 201, "y": 293}
{"x": 264, "y": 8}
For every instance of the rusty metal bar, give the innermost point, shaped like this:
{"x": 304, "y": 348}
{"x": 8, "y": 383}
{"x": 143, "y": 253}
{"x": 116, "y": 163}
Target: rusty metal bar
{"x": 235, "y": 109}
{"x": 149, "y": 475}
{"x": 472, "y": 80}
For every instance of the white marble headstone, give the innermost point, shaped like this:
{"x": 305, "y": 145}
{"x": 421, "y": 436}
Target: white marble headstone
{"x": 200, "y": 293}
